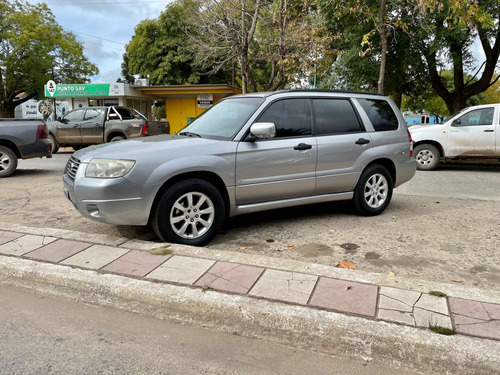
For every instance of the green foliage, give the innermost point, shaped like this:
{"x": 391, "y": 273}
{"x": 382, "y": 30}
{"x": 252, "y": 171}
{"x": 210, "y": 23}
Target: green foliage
{"x": 161, "y": 112}
{"x": 160, "y": 49}
{"x": 34, "y": 49}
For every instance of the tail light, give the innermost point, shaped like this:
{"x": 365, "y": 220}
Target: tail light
{"x": 145, "y": 129}
{"x": 411, "y": 143}
{"x": 42, "y": 132}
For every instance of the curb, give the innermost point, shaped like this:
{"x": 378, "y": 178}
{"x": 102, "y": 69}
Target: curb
{"x": 287, "y": 324}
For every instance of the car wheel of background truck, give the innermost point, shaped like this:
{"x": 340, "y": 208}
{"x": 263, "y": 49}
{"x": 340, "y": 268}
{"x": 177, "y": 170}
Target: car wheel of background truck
{"x": 373, "y": 191}
{"x": 117, "y": 138}
{"x": 427, "y": 157}
{"x": 190, "y": 212}
{"x": 8, "y": 161}
{"x": 53, "y": 144}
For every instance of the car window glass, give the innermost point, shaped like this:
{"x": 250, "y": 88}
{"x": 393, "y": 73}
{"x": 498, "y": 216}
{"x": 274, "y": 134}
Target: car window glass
{"x": 380, "y": 114}
{"x": 124, "y": 113}
{"x": 93, "y": 114}
{"x": 482, "y": 116}
{"x": 74, "y": 115}
{"x": 334, "y": 116}
{"x": 292, "y": 117}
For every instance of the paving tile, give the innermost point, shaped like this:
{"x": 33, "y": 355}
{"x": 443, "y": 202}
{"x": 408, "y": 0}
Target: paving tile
{"x": 433, "y": 303}
{"x": 8, "y": 236}
{"x": 426, "y": 318}
{"x": 57, "y": 251}
{"x": 475, "y": 318}
{"x": 396, "y": 316}
{"x": 285, "y": 286}
{"x": 180, "y": 269}
{"x": 136, "y": 263}
{"x": 345, "y": 296}
{"x": 25, "y": 244}
{"x": 398, "y": 299}
{"x": 95, "y": 257}
{"x": 230, "y": 277}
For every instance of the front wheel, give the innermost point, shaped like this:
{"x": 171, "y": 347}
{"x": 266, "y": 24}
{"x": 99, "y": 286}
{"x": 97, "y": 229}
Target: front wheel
{"x": 54, "y": 146}
{"x": 8, "y": 161}
{"x": 427, "y": 157}
{"x": 190, "y": 212}
{"x": 373, "y": 191}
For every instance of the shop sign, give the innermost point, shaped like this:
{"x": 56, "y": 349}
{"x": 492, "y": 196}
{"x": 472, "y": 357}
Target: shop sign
{"x": 86, "y": 90}
{"x": 205, "y": 100}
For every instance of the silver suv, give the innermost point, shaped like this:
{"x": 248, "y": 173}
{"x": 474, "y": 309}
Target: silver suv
{"x": 247, "y": 153}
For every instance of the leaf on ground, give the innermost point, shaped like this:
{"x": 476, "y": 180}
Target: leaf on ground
{"x": 394, "y": 217}
{"x": 437, "y": 202}
{"x": 391, "y": 273}
{"x": 243, "y": 248}
{"x": 456, "y": 280}
{"x": 346, "y": 264}
{"x": 336, "y": 264}
{"x": 291, "y": 247}
{"x": 347, "y": 287}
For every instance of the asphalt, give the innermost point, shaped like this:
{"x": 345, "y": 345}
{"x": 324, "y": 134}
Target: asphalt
{"x": 334, "y": 311}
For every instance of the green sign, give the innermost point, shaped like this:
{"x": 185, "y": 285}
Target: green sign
{"x": 95, "y": 89}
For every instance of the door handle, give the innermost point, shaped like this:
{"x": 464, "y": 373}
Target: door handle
{"x": 489, "y": 131}
{"x": 362, "y": 141}
{"x": 302, "y": 147}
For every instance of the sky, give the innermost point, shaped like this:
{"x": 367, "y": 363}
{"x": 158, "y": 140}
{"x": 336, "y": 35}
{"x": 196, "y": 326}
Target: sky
{"x": 105, "y": 27}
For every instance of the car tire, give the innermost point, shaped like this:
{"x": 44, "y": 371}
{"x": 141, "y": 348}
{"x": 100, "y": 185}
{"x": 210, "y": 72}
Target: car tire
{"x": 117, "y": 138}
{"x": 54, "y": 146}
{"x": 427, "y": 157}
{"x": 190, "y": 212}
{"x": 8, "y": 161}
{"x": 373, "y": 192}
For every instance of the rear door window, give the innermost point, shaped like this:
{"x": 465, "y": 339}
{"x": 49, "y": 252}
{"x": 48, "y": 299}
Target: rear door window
{"x": 335, "y": 116}
{"x": 380, "y": 114}
{"x": 292, "y": 117}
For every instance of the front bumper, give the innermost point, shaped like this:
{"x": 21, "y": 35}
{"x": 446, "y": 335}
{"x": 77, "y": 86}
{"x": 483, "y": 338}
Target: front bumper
{"x": 115, "y": 201}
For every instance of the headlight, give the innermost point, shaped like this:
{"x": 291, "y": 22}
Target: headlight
{"x": 108, "y": 168}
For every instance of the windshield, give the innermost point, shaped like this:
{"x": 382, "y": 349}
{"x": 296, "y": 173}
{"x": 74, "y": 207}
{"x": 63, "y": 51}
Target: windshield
{"x": 224, "y": 119}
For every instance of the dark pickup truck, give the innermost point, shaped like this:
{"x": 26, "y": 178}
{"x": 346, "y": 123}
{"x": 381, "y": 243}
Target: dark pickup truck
{"x": 21, "y": 139}
{"x": 94, "y": 125}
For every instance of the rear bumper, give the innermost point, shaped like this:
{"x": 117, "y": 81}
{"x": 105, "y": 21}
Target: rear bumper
{"x": 405, "y": 170}
{"x": 38, "y": 149}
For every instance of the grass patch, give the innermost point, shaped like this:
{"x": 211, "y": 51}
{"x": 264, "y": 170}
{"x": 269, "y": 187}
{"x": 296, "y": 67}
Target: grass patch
{"x": 437, "y": 294}
{"x": 163, "y": 251}
{"x": 442, "y": 330}
{"x": 206, "y": 288}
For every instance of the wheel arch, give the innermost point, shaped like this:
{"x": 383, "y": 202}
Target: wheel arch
{"x": 429, "y": 142}
{"x": 207, "y": 176}
{"x": 12, "y": 146}
{"x": 388, "y": 164}
{"x": 115, "y": 133}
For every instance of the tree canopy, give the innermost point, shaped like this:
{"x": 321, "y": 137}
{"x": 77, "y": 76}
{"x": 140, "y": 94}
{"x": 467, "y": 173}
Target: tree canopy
{"x": 34, "y": 49}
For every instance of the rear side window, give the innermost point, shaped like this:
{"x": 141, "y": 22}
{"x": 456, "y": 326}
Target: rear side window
{"x": 124, "y": 113}
{"x": 380, "y": 114}
{"x": 335, "y": 116}
{"x": 292, "y": 117}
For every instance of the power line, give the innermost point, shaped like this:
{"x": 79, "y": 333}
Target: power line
{"x": 98, "y": 37}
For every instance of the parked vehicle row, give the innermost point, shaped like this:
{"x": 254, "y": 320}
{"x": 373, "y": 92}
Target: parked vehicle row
{"x": 21, "y": 139}
{"x": 95, "y": 125}
{"x": 474, "y": 133}
{"x": 247, "y": 153}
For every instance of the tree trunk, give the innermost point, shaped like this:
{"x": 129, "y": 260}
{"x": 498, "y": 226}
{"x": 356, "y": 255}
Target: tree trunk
{"x": 382, "y": 29}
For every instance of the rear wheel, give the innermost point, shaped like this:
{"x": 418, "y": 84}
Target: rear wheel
{"x": 54, "y": 146}
{"x": 117, "y": 138}
{"x": 373, "y": 192}
{"x": 8, "y": 161}
{"x": 427, "y": 157}
{"x": 190, "y": 212}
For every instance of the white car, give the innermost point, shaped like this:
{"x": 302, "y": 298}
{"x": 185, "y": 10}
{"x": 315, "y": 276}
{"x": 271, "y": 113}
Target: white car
{"x": 473, "y": 133}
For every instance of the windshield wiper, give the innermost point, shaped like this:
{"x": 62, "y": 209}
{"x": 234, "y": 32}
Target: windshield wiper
{"x": 190, "y": 134}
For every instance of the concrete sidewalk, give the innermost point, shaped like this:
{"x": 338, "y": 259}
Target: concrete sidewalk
{"x": 331, "y": 310}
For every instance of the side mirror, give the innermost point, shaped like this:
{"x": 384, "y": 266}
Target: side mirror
{"x": 456, "y": 122}
{"x": 59, "y": 119}
{"x": 263, "y": 130}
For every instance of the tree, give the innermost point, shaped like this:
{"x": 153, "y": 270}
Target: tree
{"x": 34, "y": 49}
{"x": 160, "y": 49}
{"x": 444, "y": 32}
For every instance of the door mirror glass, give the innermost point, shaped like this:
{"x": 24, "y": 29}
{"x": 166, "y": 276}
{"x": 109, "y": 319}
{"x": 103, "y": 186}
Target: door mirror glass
{"x": 263, "y": 130}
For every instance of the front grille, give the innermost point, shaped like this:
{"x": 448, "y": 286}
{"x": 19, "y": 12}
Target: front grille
{"x": 72, "y": 167}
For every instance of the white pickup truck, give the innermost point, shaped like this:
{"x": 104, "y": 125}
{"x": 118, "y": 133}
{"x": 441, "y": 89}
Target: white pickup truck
{"x": 473, "y": 133}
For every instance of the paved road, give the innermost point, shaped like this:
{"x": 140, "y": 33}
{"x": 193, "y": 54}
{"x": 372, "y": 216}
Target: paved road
{"x": 441, "y": 226}
{"x": 46, "y": 335}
